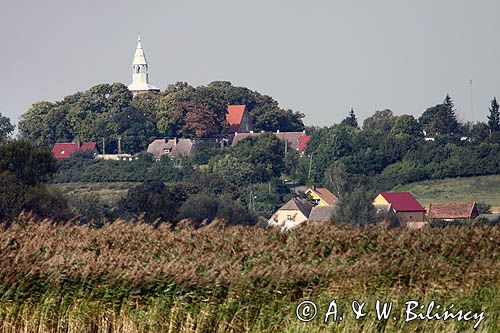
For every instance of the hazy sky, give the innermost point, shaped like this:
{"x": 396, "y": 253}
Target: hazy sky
{"x": 317, "y": 57}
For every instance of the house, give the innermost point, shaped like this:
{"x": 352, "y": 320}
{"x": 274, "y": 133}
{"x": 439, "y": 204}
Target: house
{"x": 116, "y": 157}
{"x": 452, "y": 211}
{"x": 403, "y": 204}
{"x": 321, "y": 214}
{"x": 291, "y": 214}
{"x": 171, "y": 147}
{"x": 66, "y": 149}
{"x": 238, "y": 118}
{"x": 321, "y": 196}
{"x": 296, "y": 140}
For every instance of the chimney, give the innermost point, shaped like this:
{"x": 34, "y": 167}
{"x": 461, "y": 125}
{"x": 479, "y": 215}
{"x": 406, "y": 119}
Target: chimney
{"x": 262, "y": 131}
{"x": 304, "y": 131}
{"x": 314, "y": 187}
{"x": 79, "y": 144}
{"x": 251, "y": 132}
{"x": 175, "y": 141}
{"x": 277, "y": 131}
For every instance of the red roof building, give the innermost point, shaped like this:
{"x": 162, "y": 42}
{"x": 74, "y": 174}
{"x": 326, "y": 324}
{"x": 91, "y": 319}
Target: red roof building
{"x": 453, "y": 211}
{"x": 66, "y": 149}
{"x": 238, "y": 118}
{"x": 403, "y": 204}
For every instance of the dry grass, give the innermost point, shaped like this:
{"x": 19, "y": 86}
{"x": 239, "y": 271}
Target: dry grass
{"x": 136, "y": 278}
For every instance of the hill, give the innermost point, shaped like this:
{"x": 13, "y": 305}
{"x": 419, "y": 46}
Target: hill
{"x": 483, "y": 188}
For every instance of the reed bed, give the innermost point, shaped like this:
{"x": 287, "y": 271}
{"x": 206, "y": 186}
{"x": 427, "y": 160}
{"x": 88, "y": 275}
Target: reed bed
{"x": 127, "y": 277}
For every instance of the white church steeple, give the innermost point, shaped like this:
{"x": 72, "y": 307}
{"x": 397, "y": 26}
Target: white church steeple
{"x": 140, "y": 81}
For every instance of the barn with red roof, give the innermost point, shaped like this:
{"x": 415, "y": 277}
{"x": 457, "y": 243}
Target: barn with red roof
{"x": 403, "y": 204}
{"x": 238, "y": 118}
{"x": 66, "y": 149}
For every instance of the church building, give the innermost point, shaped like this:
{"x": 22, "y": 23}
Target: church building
{"x": 140, "y": 81}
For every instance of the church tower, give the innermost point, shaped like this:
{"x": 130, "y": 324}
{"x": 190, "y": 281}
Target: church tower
{"x": 140, "y": 81}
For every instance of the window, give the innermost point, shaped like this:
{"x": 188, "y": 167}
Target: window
{"x": 289, "y": 217}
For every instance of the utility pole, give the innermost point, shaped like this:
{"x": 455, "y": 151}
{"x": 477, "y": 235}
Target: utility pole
{"x": 286, "y": 148}
{"x": 310, "y": 166}
{"x": 471, "y": 105}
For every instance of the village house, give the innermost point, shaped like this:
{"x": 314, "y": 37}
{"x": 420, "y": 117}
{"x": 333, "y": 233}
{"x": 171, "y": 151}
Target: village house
{"x": 320, "y": 196}
{"x": 403, "y": 205}
{"x": 453, "y": 211}
{"x": 238, "y": 118}
{"x": 291, "y": 214}
{"x": 171, "y": 147}
{"x": 321, "y": 214}
{"x": 63, "y": 150}
{"x": 296, "y": 140}
{"x": 116, "y": 157}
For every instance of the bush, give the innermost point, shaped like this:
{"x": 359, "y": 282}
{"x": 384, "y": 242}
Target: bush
{"x": 152, "y": 200}
{"x": 438, "y": 223}
{"x": 203, "y": 208}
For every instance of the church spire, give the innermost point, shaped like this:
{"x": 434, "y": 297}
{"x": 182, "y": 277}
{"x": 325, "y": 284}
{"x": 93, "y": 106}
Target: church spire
{"x": 140, "y": 76}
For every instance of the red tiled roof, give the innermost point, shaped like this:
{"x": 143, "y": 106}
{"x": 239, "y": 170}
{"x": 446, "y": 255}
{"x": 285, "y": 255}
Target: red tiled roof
{"x": 452, "y": 211}
{"x": 403, "y": 201}
{"x": 66, "y": 149}
{"x": 234, "y": 116}
{"x": 303, "y": 141}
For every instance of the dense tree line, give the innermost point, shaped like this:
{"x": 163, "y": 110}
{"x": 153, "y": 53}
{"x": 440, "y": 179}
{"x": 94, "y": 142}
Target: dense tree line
{"x": 246, "y": 180}
{"x": 108, "y": 111}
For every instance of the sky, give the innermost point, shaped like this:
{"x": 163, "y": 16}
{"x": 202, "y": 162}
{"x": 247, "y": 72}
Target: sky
{"x": 317, "y": 57}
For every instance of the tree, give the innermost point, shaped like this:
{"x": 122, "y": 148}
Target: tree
{"x": 408, "y": 125}
{"x": 355, "y": 208}
{"x": 200, "y": 121}
{"x": 30, "y": 164}
{"x": 440, "y": 119}
{"x": 271, "y": 118}
{"x": 6, "y": 128}
{"x": 483, "y": 208}
{"x": 23, "y": 170}
{"x": 201, "y": 208}
{"x": 494, "y": 116}
{"x": 153, "y": 200}
{"x": 381, "y": 120}
{"x": 350, "y": 120}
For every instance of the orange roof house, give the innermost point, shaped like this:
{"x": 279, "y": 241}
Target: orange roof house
{"x": 453, "y": 211}
{"x": 321, "y": 196}
{"x": 238, "y": 118}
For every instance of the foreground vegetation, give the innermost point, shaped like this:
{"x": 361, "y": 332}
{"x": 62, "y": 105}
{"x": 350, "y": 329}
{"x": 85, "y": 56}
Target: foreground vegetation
{"x": 137, "y": 278}
{"x": 479, "y": 189}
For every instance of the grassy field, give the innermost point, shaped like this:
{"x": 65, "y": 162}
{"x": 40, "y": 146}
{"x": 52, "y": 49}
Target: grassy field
{"x": 459, "y": 190}
{"x": 110, "y": 193}
{"x": 137, "y": 278}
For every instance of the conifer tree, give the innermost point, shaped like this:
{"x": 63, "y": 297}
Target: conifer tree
{"x": 351, "y": 119}
{"x": 494, "y": 116}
